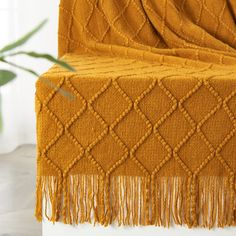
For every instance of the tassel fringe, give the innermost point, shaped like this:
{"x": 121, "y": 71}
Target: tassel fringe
{"x": 129, "y": 200}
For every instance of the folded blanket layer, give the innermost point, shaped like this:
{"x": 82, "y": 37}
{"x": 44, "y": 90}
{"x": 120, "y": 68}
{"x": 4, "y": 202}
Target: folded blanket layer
{"x": 143, "y": 133}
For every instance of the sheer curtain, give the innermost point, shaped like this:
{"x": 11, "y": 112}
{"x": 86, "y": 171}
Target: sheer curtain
{"x": 16, "y": 18}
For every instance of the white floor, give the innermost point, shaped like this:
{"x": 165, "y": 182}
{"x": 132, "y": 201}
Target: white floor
{"x": 17, "y": 193}
{"x": 60, "y": 229}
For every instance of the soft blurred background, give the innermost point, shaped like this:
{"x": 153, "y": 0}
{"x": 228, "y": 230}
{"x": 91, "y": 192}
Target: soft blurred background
{"x": 17, "y": 139}
{"x": 17, "y": 17}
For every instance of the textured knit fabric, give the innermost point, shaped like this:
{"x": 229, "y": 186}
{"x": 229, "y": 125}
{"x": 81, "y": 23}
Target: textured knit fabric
{"x": 144, "y": 132}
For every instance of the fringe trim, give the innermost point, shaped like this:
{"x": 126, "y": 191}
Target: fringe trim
{"x": 129, "y": 200}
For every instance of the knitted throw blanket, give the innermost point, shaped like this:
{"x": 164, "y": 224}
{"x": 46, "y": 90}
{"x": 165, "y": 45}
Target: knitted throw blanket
{"x": 144, "y": 132}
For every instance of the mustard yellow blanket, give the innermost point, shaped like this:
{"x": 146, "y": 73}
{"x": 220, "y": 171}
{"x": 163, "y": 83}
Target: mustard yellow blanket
{"x": 144, "y": 132}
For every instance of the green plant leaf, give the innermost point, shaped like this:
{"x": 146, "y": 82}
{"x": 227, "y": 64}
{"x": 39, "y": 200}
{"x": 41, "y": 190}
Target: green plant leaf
{"x": 47, "y": 57}
{"x": 6, "y": 76}
{"x": 23, "y": 39}
{"x": 52, "y": 59}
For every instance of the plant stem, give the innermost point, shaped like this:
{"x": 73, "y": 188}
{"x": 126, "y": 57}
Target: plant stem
{"x": 19, "y": 67}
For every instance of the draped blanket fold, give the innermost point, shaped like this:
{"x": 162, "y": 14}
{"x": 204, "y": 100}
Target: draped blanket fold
{"x": 144, "y": 132}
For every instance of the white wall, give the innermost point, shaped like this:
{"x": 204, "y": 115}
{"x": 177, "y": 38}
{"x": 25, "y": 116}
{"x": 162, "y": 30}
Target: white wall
{"x": 18, "y": 96}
